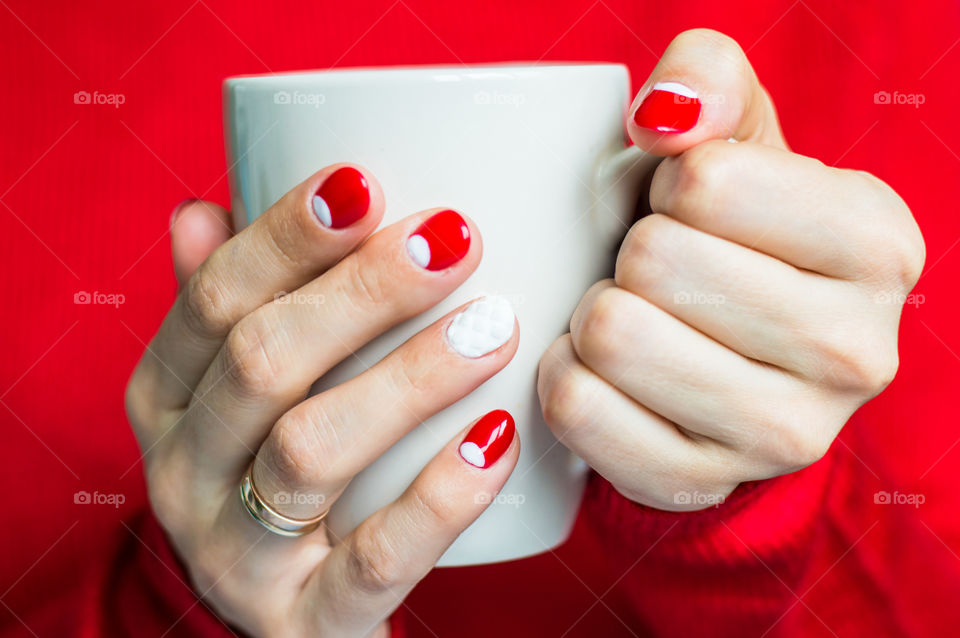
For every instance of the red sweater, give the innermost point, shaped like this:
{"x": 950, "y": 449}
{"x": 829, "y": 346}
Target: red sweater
{"x": 85, "y": 195}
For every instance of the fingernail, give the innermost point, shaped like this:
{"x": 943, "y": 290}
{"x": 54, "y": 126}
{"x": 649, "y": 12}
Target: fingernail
{"x": 670, "y": 107}
{"x": 488, "y": 439}
{"x": 179, "y": 207}
{"x": 440, "y": 241}
{"x": 342, "y": 199}
{"x": 482, "y": 327}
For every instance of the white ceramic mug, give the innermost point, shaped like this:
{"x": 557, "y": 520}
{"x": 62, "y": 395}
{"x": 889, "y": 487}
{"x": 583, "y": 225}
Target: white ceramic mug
{"x": 536, "y": 156}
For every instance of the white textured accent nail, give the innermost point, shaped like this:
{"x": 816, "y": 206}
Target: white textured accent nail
{"x": 322, "y": 211}
{"x": 675, "y": 87}
{"x": 482, "y": 327}
{"x": 472, "y": 454}
{"x": 419, "y": 250}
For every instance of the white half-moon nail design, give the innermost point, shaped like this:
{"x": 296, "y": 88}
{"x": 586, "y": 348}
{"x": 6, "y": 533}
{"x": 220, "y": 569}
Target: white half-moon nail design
{"x": 472, "y": 454}
{"x": 419, "y": 250}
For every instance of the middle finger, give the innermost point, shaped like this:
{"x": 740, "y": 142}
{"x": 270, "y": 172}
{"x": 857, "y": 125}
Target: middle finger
{"x": 317, "y": 447}
{"x": 272, "y": 356}
{"x": 747, "y": 301}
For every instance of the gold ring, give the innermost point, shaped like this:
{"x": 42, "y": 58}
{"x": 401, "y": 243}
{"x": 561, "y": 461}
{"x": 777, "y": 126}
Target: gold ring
{"x": 269, "y": 517}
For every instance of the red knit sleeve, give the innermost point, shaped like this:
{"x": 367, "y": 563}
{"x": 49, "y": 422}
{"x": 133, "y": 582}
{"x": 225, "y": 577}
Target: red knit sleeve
{"x": 150, "y": 589}
{"x": 790, "y": 556}
{"x": 149, "y": 592}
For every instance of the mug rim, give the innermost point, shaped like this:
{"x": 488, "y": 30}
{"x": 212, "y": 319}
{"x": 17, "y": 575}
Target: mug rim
{"x": 429, "y": 72}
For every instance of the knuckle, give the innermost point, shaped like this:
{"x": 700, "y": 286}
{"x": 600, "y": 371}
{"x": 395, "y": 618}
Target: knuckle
{"x": 660, "y": 498}
{"x": 250, "y": 364}
{"x": 204, "y": 571}
{"x": 855, "y": 362}
{"x": 164, "y": 501}
{"x": 723, "y": 48}
{"x": 562, "y": 398}
{"x": 301, "y": 450}
{"x": 208, "y": 565}
{"x": 407, "y": 377}
{"x": 912, "y": 258}
{"x": 283, "y": 235}
{"x": 702, "y": 179}
{"x": 902, "y": 253}
{"x": 907, "y": 251}
{"x": 597, "y": 337}
{"x": 206, "y": 310}
{"x": 365, "y": 283}
{"x": 584, "y": 304}
{"x": 643, "y": 258}
{"x": 374, "y": 565}
{"x": 166, "y": 478}
{"x": 597, "y": 287}
{"x": 432, "y": 508}
{"x": 795, "y": 443}
{"x": 795, "y": 448}
{"x": 138, "y": 400}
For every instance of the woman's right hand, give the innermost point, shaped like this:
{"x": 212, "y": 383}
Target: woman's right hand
{"x": 224, "y": 381}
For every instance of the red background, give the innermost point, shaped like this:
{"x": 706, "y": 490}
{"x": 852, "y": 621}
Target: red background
{"x": 86, "y": 192}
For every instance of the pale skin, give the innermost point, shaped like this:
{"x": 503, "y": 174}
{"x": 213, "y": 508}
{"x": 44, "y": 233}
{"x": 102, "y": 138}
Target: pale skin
{"x": 789, "y": 258}
{"x": 747, "y": 318}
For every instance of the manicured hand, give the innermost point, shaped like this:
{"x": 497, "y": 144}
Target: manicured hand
{"x": 749, "y": 316}
{"x": 222, "y": 385}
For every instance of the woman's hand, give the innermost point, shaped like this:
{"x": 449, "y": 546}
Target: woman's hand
{"x": 223, "y": 385}
{"x": 749, "y": 316}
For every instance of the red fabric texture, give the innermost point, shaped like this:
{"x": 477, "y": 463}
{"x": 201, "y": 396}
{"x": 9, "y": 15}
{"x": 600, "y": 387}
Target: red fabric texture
{"x": 86, "y": 191}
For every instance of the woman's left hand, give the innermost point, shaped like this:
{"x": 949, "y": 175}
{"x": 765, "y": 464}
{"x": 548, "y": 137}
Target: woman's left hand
{"x": 749, "y": 316}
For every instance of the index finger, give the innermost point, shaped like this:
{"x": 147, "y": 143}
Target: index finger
{"x": 297, "y": 239}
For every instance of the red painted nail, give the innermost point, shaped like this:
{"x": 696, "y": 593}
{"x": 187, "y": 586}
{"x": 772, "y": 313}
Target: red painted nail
{"x": 669, "y": 108}
{"x": 488, "y": 439}
{"x": 440, "y": 241}
{"x": 342, "y": 199}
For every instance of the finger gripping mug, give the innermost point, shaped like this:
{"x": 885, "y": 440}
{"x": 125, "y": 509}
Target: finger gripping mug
{"x": 536, "y": 156}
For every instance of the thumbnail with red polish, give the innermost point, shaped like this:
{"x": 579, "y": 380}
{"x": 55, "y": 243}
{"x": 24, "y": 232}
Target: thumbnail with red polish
{"x": 440, "y": 241}
{"x": 342, "y": 199}
{"x": 488, "y": 439}
{"x": 670, "y": 107}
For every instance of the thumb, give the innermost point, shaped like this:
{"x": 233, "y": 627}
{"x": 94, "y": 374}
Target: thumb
{"x": 196, "y": 229}
{"x": 703, "y": 88}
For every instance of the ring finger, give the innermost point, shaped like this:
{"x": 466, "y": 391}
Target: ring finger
{"x": 317, "y": 447}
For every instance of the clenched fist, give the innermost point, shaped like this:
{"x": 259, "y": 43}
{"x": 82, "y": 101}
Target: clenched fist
{"x": 749, "y": 316}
